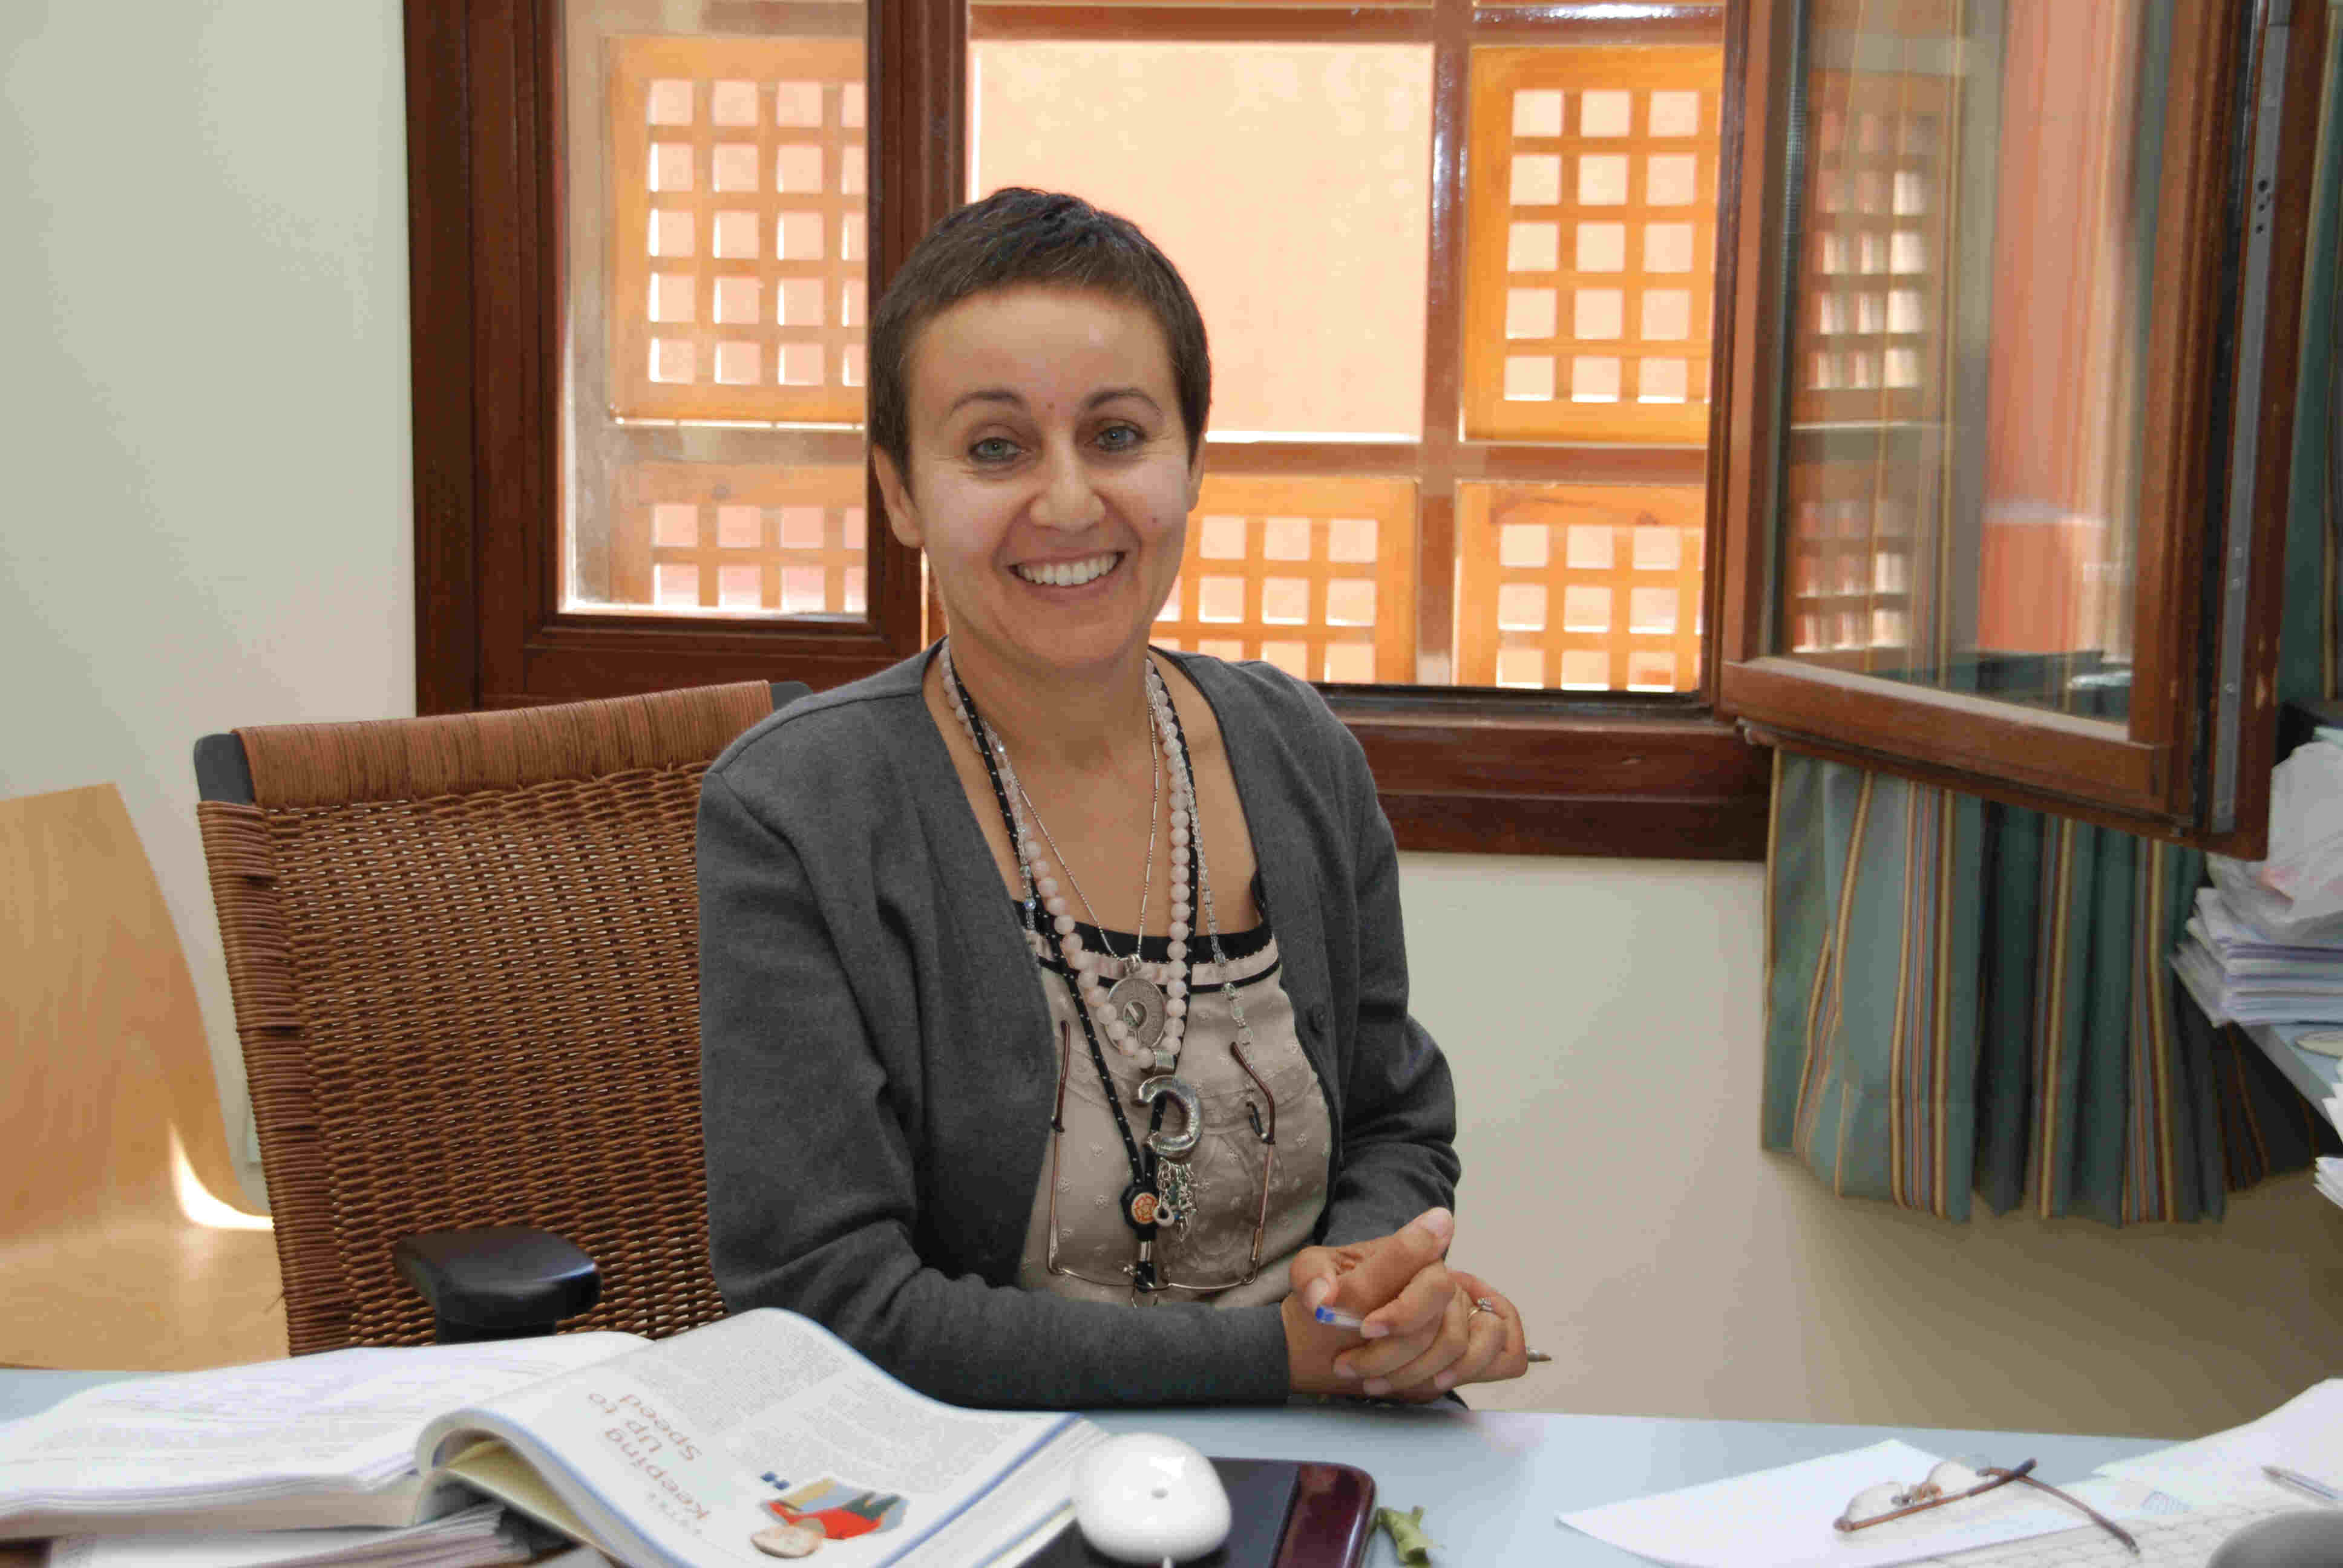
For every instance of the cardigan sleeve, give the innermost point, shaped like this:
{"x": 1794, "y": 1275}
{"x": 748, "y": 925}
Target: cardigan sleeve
{"x": 816, "y": 1157}
{"x": 1398, "y": 1155}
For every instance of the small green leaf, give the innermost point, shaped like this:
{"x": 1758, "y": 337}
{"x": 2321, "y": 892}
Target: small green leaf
{"x": 1407, "y": 1536}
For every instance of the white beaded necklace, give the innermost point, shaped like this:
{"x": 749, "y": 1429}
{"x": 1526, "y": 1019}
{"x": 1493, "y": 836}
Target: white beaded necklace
{"x": 1144, "y": 1014}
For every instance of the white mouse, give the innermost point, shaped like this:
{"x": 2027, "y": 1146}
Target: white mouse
{"x": 1145, "y": 1498}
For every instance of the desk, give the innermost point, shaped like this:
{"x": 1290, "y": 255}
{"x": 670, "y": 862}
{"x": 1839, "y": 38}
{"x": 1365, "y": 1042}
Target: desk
{"x": 1489, "y": 1483}
{"x": 2315, "y": 1074}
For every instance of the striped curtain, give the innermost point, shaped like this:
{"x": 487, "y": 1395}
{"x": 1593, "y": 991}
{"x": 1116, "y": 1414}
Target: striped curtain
{"x": 1970, "y": 997}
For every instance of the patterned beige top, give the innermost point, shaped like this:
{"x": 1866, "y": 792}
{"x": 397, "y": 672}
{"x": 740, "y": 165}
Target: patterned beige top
{"x": 1235, "y": 1250}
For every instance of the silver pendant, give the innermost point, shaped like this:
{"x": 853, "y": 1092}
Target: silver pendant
{"x": 1138, "y": 1004}
{"x": 1192, "y": 1113}
{"x": 1176, "y": 1194}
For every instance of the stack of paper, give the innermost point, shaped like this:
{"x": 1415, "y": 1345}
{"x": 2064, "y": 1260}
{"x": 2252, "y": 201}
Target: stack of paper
{"x": 2194, "y": 1494}
{"x": 2266, "y": 944}
{"x": 477, "y": 1537}
{"x": 1782, "y": 1518}
{"x": 2240, "y": 973}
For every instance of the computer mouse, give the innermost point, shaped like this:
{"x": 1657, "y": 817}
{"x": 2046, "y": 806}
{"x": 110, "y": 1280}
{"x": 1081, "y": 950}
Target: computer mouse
{"x": 2306, "y": 1538}
{"x": 1146, "y": 1498}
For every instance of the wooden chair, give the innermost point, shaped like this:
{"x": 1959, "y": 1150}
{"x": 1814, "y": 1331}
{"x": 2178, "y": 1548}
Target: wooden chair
{"x": 464, "y": 957}
{"x": 122, "y": 1244}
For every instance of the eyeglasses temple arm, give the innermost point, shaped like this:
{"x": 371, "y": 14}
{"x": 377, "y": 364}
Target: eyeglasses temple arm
{"x": 2101, "y": 1520}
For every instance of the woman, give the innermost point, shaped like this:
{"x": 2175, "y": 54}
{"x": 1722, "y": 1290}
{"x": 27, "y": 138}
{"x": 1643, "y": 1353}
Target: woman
{"x": 1022, "y": 1071}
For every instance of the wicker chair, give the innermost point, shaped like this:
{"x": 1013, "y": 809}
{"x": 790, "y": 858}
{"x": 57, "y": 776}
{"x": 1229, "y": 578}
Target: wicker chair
{"x": 463, "y": 954}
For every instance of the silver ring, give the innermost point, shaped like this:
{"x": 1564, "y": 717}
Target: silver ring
{"x": 1480, "y": 1304}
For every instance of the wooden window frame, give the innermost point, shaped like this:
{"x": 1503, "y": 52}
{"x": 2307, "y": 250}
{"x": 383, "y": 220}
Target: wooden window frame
{"x": 1505, "y": 772}
{"x": 2154, "y": 779}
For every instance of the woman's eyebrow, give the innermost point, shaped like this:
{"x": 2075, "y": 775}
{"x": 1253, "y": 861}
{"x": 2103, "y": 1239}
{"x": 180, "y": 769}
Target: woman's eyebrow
{"x": 1015, "y": 399}
{"x": 1110, "y": 394}
{"x": 985, "y": 394}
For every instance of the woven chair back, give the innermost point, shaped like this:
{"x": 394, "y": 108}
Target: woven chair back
{"x": 463, "y": 953}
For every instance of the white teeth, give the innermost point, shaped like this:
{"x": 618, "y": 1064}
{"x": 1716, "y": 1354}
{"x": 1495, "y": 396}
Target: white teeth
{"x": 1067, "y": 574}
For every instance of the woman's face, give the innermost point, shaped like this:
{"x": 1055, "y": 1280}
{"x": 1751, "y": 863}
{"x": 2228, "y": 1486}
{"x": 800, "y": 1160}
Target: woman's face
{"x": 1050, "y": 481}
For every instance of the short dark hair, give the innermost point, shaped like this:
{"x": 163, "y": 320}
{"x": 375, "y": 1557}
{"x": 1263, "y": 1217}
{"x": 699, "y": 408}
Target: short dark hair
{"x": 1017, "y": 237}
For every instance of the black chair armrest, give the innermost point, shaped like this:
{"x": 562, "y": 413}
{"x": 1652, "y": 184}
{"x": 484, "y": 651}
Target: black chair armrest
{"x": 223, "y": 771}
{"x": 498, "y": 1282}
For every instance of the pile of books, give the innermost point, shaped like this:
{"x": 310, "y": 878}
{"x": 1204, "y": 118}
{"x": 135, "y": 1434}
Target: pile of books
{"x": 758, "y": 1436}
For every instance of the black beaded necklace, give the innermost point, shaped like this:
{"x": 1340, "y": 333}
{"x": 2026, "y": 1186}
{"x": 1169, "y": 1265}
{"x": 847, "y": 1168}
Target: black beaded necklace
{"x": 1139, "y": 1205}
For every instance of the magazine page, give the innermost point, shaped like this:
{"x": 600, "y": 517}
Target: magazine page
{"x": 762, "y": 1436}
{"x": 334, "y": 1432}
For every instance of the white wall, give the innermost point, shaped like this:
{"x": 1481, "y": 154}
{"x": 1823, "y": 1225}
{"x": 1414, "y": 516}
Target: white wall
{"x": 202, "y": 399}
{"x": 203, "y": 335}
{"x": 1604, "y": 1018}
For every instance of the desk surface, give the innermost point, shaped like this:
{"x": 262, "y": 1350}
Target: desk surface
{"x": 2315, "y": 1073}
{"x": 1489, "y": 1483}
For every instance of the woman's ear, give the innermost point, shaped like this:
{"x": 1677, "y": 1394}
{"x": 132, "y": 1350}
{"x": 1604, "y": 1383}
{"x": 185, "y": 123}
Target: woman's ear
{"x": 902, "y": 516}
{"x": 1196, "y": 478}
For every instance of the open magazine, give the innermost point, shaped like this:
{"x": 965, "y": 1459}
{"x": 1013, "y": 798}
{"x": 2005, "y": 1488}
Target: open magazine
{"x": 756, "y": 1437}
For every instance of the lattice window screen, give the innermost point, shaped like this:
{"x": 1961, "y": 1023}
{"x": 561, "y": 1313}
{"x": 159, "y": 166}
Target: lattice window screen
{"x": 1590, "y": 587}
{"x": 707, "y": 535}
{"x": 1850, "y": 565}
{"x": 1316, "y": 575}
{"x": 737, "y": 232}
{"x": 1870, "y": 337}
{"x": 1589, "y": 244}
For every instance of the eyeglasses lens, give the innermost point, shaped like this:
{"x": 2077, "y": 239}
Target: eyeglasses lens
{"x": 1952, "y": 1478}
{"x": 1946, "y": 1482}
{"x": 1876, "y": 1503}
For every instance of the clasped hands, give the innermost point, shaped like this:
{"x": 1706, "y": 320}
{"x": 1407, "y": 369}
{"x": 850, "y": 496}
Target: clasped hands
{"x": 1421, "y": 1332}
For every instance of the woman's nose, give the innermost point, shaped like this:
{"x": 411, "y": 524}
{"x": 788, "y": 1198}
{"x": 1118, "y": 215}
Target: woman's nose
{"x": 1067, "y": 499}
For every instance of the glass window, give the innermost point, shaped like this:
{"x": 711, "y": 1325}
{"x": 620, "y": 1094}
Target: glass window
{"x": 718, "y": 255}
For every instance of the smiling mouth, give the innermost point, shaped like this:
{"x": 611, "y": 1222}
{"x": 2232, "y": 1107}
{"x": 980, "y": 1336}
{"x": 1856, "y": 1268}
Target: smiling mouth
{"x": 1068, "y": 574}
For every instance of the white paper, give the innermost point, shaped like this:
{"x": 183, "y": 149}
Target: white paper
{"x": 474, "y": 1538}
{"x": 1782, "y": 1518}
{"x": 345, "y": 1418}
{"x": 2304, "y": 1434}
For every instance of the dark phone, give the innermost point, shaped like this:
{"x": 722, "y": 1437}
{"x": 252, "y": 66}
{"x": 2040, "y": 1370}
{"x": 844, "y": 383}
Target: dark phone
{"x": 1282, "y": 1514}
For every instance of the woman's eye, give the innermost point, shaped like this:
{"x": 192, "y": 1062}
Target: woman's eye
{"x": 993, "y": 449}
{"x": 1119, "y": 438}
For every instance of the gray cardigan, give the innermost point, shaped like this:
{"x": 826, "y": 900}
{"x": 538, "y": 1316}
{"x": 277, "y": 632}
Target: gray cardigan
{"x": 878, "y": 1066}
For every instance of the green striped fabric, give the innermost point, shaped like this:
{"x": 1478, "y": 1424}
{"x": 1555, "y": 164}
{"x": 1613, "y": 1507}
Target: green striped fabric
{"x": 1967, "y": 997}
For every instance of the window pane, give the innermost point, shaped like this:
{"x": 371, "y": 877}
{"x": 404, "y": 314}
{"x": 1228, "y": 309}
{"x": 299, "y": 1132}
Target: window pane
{"x": 1314, "y": 573}
{"x": 1968, "y": 337}
{"x": 737, "y": 191}
{"x": 744, "y": 536}
{"x": 1289, "y": 183}
{"x": 1580, "y": 587}
{"x": 1590, "y": 234}
{"x": 715, "y": 207}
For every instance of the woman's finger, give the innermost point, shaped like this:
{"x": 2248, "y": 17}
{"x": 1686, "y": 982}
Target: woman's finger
{"x": 1489, "y": 1333}
{"x": 1388, "y": 1263}
{"x": 1410, "y": 1356}
{"x": 1414, "y": 1375}
{"x": 1315, "y": 1271}
{"x": 1418, "y": 1305}
{"x": 1404, "y": 1328}
{"x": 1508, "y": 1349}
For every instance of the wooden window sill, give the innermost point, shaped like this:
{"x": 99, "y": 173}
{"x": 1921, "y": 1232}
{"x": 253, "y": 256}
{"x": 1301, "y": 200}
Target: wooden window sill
{"x": 1458, "y": 772}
